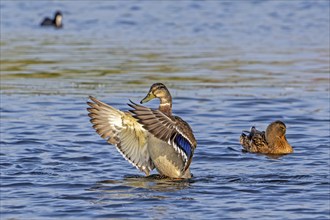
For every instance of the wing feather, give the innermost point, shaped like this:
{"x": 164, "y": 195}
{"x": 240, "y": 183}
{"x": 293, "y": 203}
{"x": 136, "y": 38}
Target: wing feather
{"x": 123, "y": 131}
{"x": 172, "y": 130}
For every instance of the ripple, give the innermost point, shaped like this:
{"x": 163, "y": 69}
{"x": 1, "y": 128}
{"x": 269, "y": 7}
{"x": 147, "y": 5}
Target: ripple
{"x": 54, "y": 165}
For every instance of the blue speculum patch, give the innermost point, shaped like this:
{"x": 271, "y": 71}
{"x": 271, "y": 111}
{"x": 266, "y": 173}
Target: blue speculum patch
{"x": 183, "y": 144}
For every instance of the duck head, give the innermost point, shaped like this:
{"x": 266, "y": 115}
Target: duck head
{"x": 276, "y": 128}
{"x": 275, "y": 134}
{"x": 159, "y": 90}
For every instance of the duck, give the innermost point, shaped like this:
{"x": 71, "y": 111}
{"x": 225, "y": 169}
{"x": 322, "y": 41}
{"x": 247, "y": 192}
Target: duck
{"x": 147, "y": 138}
{"x": 272, "y": 141}
{"x": 56, "y": 22}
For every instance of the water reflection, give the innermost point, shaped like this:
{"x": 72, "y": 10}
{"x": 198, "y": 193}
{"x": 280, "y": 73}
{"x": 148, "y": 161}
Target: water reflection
{"x": 270, "y": 156}
{"x": 226, "y": 68}
{"x": 153, "y": 182}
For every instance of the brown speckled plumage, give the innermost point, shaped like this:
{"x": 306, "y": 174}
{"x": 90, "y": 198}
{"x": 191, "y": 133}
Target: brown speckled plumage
{"x": 271, "y": 141}
{"x": 147, "y": 138}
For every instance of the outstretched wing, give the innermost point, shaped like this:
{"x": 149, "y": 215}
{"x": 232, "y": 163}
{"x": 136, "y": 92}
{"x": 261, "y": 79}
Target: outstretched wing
{"x": 123, "y": 131}
{"x": 172, "y": 130}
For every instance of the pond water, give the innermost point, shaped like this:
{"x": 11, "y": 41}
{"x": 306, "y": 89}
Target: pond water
{"x": 228, "y": 65}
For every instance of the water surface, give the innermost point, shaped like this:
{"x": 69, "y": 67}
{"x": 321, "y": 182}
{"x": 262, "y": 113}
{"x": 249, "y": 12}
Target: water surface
{"x": 228, "y": 65}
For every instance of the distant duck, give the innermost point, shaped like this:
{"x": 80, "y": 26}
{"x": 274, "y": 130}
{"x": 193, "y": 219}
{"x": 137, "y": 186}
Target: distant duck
{"x": 56, "y": 22}
{"x": 271, "y": 141}
{"x": 147, "y": 138}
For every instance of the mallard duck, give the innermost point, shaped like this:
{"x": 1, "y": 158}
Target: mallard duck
{"x": 56, "y": 22}
{"x": 271, "y": 141}
{"x": 147, "y": 138}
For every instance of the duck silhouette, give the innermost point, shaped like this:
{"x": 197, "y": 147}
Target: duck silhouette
{"x": 56, "y": 22}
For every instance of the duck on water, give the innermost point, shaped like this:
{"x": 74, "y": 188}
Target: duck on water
{"x": 147, "y": 138}
{"x": 272, "y": 141}
{"x": 55, "y": 22}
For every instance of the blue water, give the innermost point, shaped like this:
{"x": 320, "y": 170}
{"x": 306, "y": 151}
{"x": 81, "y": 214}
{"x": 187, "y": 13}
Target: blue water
{"x": 228, "y": 65}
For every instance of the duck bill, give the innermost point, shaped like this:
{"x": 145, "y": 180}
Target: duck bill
{"x": 147, "y": 98}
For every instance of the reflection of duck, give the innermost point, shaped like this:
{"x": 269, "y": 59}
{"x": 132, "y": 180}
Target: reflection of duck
{"x": 273, "y": 141}
{"x": 145, "y": 137}
{"x": 152, "y": 182}
{"x": 56, "y": 22}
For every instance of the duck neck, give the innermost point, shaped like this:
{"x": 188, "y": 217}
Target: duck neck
{"x": 58, "y": 21}
{"x": 280, "y": 145}
{"x": 165, "y": 105}
{"x": 285, "y": 146}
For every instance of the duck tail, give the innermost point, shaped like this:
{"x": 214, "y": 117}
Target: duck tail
{"x": 244, "y": 141}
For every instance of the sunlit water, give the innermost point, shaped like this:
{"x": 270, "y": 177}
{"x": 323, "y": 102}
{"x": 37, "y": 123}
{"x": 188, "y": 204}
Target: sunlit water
{"x": 228, "y": 66}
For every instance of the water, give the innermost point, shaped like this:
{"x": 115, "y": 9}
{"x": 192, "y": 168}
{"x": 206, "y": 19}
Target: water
{"x": 228, "y": 65}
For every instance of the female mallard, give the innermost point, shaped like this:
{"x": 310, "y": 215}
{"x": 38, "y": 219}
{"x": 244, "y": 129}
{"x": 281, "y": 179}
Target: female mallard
{"x": 147, "y": 138}
{"x": 273, "y": 141}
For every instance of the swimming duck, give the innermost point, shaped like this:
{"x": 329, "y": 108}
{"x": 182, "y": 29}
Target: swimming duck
{"x": 271, "y": 141}
{"x": 56, "y": 22}
{"x": 147, "y": 138}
